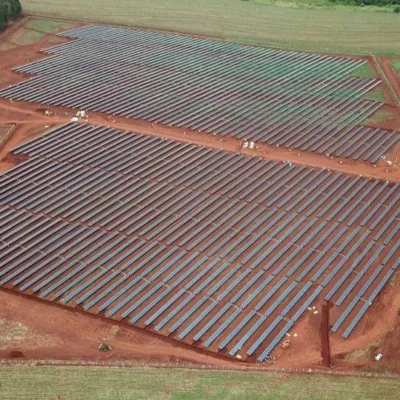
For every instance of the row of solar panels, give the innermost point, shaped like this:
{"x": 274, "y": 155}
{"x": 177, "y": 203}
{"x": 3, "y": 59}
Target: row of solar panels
{"x": 238, "y": 244}
{"x": 80, "y": 273}
{"x": 289, "y": 99}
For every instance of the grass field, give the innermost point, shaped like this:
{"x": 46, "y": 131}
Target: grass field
{"x": 376, "y": 95}
{"x": 35, "y": 30}
{"x": 70, "y": 383}
{"x": 327, "y": 30}
{"x": 380, "y": 116}
{"x": 26, "y": 36}
{"x": 396, "y": 66}
{"x": 48, "y": 26}
{"x": 365, "y": 71}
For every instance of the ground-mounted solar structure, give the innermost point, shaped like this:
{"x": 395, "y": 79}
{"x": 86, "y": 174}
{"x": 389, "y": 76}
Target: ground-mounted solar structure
{"x": 211, "y": 248}
{"x": 295, "y": 100}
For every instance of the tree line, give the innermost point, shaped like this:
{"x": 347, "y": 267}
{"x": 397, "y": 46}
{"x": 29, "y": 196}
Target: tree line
{"x": 379, "y": 3}
{"x": 9, "y": 10}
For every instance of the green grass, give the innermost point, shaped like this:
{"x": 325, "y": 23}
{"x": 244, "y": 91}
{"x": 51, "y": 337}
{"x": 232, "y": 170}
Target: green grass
{"x": 48, "y": 26}
{"x": 376, "y": 95}
{"x": 36, "y": 29}
{"x": 26, "y": 36}
{"x": 379, "y": 116}
{"x": 327, "y": 30}
{"x": 365, "y": 71}
{"x": 70, "y": 383}
{"x": 396, "y": 66}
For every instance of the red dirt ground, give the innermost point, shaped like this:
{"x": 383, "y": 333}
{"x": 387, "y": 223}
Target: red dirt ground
{"x": 70, "y": 334}
{"x": 57, "y": 332}
{"x": 64, "y": 334}
{"x": 37, "y": 117}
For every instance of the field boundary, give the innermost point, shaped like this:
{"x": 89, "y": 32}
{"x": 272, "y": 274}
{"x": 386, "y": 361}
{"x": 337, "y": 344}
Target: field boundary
{"x": 25, "y": 17}
{"x": 210, "y": 37}
{"x": 194, "y": 366}
{"x": 386, "y": 79}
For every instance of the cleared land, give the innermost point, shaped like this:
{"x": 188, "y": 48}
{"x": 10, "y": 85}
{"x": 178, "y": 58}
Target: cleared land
{"x": 284, "y": 99}
{"x": 326, "y": 30}
{"x": 376, "y": 95}
{"x": 191, "y": 241}
{"x": 301, "y": 351}
{"x": 37, "y": 383}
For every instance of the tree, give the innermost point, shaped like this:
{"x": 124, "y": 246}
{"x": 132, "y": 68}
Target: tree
{"x": 15, "y": 9}
{"x": 361, "y": 3}
{"x": 3, "y": 17}
{"x": 9, "y": 10}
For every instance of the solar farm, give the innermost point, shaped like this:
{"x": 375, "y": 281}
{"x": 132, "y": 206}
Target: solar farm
{"x": 224, "y": 251}
{"x": 219, "y": 250}
{"x": 294, "y": 100}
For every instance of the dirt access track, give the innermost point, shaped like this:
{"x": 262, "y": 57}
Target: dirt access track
{"x": 46, "y": 331}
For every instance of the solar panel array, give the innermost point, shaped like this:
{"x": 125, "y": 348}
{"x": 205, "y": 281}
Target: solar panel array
{"x": 209, "y": 247}
{"x": 295, "y": 100}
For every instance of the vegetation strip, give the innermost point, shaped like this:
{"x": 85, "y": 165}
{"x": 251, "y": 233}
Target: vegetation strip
{"x": 387, "y": 80}
{"x": 34, "y": 362}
